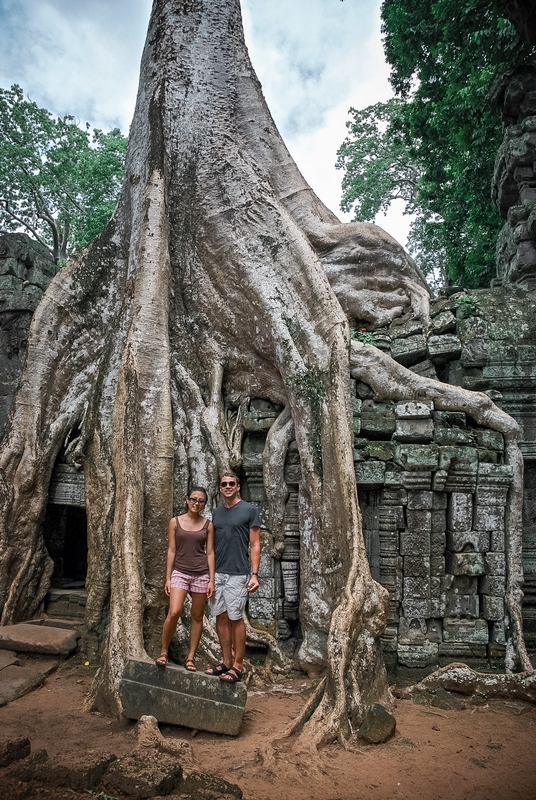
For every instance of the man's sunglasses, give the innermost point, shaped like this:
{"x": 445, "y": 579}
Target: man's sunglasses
{"x": 227, "y": 483}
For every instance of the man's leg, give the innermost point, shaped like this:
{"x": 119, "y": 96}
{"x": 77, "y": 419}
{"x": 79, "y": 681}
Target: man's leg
{"x": 238, "y": 635}
{"x": 224, "y": 631}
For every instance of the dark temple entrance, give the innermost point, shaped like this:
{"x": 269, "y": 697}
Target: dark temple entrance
{"x": 65, "y": 535}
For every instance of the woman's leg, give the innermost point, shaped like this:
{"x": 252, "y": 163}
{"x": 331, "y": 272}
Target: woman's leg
{"x": 176, "y": 602}
{"x": 198, "y": 609}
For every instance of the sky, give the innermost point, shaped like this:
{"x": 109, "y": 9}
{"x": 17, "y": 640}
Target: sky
{"x": 315, "y": 59}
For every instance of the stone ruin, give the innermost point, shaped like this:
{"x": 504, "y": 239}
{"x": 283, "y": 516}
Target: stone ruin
{"x": 432, "y": 485}
{"x": 26, "y": 269}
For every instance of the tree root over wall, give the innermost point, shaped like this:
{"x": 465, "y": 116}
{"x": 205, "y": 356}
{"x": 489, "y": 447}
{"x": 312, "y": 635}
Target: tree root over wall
{"x": 220, "y": 277}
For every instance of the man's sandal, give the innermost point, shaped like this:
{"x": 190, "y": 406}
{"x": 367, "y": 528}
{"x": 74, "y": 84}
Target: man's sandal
{"x": 190, "y": 665}
{"x": 219, "y": 669}
{"x": 233, "y": 675}
{"x": 161, "y": 661}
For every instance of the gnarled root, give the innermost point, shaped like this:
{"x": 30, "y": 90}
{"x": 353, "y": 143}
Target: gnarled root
{"x": 352, "y": 649}
{"x": 277, "y": 661}
{"x": 149, "y": 737}
{"x": 304, "y": 745}
{"x": 463, "y": 679}
{"x": 370, "y": 273}
{"x": 296, "y": 725}
{"x": 204, "y": 462}
{"x": 273, "y": 463}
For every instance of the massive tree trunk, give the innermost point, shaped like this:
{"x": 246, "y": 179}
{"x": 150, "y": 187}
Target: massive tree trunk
{"x": 209, "y": 286}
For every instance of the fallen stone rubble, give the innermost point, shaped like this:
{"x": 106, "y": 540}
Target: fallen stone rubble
{"x": 38, "y": 639}
{"x": 151, "y": 770}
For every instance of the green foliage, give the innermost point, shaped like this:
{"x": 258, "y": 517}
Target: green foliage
{"x": 435, "y": 145}
{"x": 468, "y": 305}
{"x": 377, "y": 160}
{"x": 364, "y": 336}
{"x": 58, "y": 181}
{"x": 308, "y": 385}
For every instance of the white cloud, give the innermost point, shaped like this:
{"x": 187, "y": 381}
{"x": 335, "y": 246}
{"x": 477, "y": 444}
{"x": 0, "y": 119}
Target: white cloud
{"x": 75, "y": 57}
{"x": 315, "y": 59}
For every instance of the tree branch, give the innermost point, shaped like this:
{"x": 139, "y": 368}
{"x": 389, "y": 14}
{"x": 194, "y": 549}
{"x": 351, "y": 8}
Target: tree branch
{"x": 64, "y": 238}
{"x": 25, "y": 224}
{"x": 55, "y": 234}
{"x": 73, "y": 201}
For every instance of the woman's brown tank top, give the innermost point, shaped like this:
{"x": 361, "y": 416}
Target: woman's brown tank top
{"x": 191, "y": 550}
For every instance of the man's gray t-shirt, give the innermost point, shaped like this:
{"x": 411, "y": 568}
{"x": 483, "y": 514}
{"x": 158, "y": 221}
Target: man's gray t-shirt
{"x": 231, "y": 536}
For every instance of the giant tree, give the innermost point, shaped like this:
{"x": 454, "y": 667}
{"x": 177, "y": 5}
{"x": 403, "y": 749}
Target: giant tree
{"x": 209, "y": 286}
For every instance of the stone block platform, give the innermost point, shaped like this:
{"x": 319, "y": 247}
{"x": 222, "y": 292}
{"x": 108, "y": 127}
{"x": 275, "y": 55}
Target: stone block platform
{"x": 178, "y": 697}
{"x": 28, "y": 638}
{"x": 16, "y": 681}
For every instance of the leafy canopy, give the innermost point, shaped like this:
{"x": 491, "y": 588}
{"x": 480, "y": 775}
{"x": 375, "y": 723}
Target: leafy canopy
{"x": 377, "y": 161}
{"x": 435, "y": 145}
{"x": 58, "y": 181}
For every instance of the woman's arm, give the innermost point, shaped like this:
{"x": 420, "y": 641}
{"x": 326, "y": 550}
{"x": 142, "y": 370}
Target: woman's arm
{"x": 170, "y": 554}
{"x": 210, "y": 559}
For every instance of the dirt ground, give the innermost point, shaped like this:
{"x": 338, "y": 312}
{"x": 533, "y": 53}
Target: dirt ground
{"x": 484, "y": 752}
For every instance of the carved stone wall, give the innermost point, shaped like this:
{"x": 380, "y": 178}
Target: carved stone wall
{"x": 433, "y": 500}
{"x": 26, "y": 269}
{"x": 432, "y": 485}
{"x": 432, "y": 490}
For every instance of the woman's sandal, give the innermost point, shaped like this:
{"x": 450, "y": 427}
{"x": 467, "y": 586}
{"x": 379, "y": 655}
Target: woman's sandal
{"x": 233, "y": 675}
{"x": 161, "y": 661}
{"x": 218, "y": 670}
{"x": 190, "y": 665}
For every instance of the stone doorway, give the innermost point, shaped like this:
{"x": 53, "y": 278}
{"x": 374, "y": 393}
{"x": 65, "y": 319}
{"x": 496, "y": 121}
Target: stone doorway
{"x": 65, "y": 534}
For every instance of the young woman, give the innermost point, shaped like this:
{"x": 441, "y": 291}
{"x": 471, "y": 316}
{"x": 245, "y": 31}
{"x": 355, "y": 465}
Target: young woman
{"x": 190, "y": 570}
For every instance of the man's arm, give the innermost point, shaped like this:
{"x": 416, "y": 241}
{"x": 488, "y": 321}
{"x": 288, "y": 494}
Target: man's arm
{"x": 254, "y": 557}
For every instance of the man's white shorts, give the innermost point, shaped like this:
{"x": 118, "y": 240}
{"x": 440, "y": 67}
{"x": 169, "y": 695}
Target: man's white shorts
{"x": 230, "y": 594}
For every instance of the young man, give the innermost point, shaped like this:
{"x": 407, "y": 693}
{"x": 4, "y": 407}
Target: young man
{"x": 237, "y": 547}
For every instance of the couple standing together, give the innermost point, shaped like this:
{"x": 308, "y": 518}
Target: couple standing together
{"x": 217, "y": 560}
